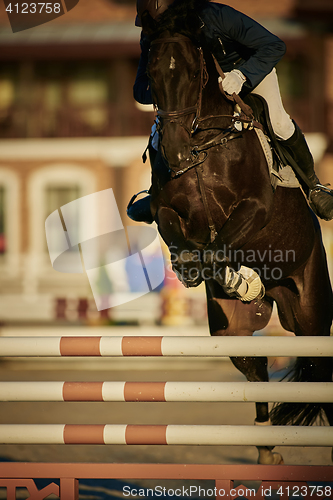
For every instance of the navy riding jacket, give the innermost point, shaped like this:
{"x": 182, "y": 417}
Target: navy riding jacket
{"x": 237, "y": 42}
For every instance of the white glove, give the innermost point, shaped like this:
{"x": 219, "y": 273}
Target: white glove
{"x": 232, "y": 82}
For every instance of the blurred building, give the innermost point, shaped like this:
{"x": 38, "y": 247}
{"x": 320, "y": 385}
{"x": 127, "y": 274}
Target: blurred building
{"x": 69, "y": 126}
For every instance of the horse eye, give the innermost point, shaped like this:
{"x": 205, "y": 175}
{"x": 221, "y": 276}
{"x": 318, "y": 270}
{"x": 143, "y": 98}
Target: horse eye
{"x": 196, "y": 74}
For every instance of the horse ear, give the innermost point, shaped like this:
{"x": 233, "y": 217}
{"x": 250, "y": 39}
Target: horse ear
{"x": 149, "y": 25}
{"x": 194, "y": 23}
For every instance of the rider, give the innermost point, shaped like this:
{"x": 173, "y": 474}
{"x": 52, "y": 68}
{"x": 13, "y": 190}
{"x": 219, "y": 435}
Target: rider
{"x": 247, "y": 54}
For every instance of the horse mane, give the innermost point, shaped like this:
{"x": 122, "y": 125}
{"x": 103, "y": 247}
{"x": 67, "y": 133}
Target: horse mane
{"x": 182, "y": 17}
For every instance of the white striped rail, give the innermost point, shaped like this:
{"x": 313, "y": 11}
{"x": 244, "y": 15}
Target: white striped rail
{"x": 166, "y": 346}
{"x": 224, "y": 435}
{"x": 293, "y": 392}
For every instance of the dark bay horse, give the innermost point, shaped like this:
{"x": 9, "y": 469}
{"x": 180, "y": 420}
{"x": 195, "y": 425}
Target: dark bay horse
{"x": 216, "y": 210}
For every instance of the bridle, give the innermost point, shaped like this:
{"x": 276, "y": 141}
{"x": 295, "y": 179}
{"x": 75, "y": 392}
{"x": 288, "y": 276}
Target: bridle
{"x": 196, "y": 158}
{"x": 177, "y": 115}
{"x": 198, "y": 154}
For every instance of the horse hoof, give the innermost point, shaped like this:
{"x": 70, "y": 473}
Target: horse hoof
{"x": 277, "y": 459}
{"x": 266, "y": 457}
{"x": 273, "y": 459}
{"x": 256, "y": 289}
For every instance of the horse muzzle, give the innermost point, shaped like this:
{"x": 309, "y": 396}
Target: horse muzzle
{"x": 175, "y": 146}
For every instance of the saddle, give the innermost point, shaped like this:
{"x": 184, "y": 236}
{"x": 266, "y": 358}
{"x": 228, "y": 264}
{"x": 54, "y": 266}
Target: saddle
{"x": 281, "y": 173}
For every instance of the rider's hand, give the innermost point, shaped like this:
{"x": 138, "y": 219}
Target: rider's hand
{"x": 232, "y": 82}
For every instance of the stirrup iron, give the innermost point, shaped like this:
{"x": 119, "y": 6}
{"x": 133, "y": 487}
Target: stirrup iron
{"x": 134, "y": 197}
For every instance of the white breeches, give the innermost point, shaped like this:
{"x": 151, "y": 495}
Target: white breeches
{"x": 269, "y": 89}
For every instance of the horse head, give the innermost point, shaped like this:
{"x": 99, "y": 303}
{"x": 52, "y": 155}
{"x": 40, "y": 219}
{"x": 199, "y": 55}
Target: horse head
{"x": 177, "y": 74}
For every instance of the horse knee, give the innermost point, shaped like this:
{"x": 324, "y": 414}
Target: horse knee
{"x": 188, "y": 268}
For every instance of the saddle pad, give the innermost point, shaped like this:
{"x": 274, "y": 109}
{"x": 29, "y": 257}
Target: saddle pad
{"x": 285, "y": 177}
{"x": 288, "y": 177}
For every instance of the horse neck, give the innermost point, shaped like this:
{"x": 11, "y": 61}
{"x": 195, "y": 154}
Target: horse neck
{"x": 213, "y": 102}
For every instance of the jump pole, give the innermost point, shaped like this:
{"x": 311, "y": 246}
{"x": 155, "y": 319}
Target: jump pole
{"x": 257, "y": 346}
{"x": 294, "y": 392}
{"x": 18, "y": 475}
{"x": 187, "y": 435}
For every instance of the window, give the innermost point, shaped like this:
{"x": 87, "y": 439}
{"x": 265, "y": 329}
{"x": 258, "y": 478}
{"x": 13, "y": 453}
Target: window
{"x": 88, "y": 95}
{"x": 57, "y": 196}
{"x": 292, "y": 77}
{"x": 8, "y": 98}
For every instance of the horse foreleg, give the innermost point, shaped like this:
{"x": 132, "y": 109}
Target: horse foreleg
{"x": 169, "y": 227}
{"x": 240, "y": 227}
{"x": 244, "y": 284}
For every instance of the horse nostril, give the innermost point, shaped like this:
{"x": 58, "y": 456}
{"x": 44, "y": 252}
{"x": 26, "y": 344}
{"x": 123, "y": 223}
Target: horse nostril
{"x": 175, "y": 145}
{"x": 186, "y": 151}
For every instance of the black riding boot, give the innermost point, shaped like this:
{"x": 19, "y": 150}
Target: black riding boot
{"x": 320, "y": 197}
{"x": 139, "y": 211}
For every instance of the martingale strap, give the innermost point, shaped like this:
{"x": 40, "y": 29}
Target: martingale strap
{"x": 211, "y": 225}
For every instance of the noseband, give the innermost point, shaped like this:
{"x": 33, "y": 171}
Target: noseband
{"x": 176, "y": 115}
